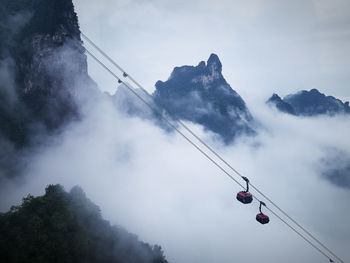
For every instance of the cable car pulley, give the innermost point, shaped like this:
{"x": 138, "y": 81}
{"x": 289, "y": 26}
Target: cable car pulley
{"x": 262, "y": 218}
{"x": 244, "y": 196}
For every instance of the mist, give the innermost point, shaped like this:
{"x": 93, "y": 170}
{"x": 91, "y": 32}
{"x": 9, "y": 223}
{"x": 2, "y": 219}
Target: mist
{"x": 156, "y": 185}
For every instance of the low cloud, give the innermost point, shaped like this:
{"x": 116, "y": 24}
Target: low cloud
{"x": 336, "y": 167}
{"x": 158, "y": 186}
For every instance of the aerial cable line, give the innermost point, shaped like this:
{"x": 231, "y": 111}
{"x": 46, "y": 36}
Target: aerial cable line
{"x": 207, "y": 146}
{"x": 302, "y": 236}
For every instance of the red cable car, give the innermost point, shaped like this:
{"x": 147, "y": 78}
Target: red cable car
{"x": 244, "y": 196}
{"x": 262, "y": 218}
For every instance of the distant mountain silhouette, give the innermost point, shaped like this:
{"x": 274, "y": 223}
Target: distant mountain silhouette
{"x": 309, "y": 103}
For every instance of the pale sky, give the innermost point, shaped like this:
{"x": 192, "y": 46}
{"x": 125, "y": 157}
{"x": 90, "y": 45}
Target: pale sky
{"x": 265, "y": 46}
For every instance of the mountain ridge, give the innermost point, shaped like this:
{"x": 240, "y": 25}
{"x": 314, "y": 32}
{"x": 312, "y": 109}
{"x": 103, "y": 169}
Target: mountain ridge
{"x": 309, "y": 103}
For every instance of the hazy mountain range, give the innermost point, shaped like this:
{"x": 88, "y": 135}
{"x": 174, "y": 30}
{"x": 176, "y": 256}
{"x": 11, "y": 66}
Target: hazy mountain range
{"x": 44, "y": 73}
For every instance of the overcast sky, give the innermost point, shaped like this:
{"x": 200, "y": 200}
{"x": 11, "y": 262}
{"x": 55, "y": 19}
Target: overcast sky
{"x": 265, "y": 46}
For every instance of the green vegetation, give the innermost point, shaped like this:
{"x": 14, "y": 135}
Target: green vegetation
{"x": 67, "y": 227}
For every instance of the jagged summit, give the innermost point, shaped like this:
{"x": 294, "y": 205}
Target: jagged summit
{"x": 310, "y": 103}
{"x": 201, "y": 94}
{"x": 214, "y": 63}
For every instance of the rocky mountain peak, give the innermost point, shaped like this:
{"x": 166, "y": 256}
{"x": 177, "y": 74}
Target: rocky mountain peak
{"x": 201, "y": 94}
{"x": 214, "y": 63}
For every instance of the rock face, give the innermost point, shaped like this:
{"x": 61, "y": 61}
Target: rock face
{"x": 43, "y": 72}
{"x": 309, "y": 103}
{"x": 42, "y": 61}
{"x": 200, "y": 94}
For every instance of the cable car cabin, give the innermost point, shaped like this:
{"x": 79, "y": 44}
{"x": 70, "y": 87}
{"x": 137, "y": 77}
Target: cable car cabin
{"x": 262, "y": 219}
{"x": 244, "y": 197}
